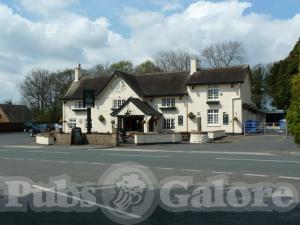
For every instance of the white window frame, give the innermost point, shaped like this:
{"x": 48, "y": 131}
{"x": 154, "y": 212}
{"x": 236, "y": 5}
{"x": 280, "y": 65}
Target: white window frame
{"x": 168, "y": 124}
{"x": 180, "y": 119}
{"x": 79, "y": 105}
{"x": 168, "y": 102}
{"x": 213, "y": 117}
{"x": 117, "y": 103}
{"x": 72, "y": 123}
{"x": 213, "y": 92}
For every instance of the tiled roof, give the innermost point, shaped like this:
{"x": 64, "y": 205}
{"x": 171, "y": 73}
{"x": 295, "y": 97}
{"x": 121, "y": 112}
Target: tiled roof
{"x": 161, "y": 84}
{"x": 220, "y": 75}
{"x": 16, "y": 113}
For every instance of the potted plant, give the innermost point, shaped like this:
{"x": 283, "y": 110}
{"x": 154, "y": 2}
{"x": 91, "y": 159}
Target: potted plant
{"x": 191, "y": 115}
{"x": 235, "y": 119}
{"x": 101, "y": 118}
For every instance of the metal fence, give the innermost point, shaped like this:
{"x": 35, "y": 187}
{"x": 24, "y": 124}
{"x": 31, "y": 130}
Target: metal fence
{"x": 265, "y": 129}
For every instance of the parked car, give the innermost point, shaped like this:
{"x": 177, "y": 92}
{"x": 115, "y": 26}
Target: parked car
{"x": 38, "y": 129}
{"x": 27, "y": 126}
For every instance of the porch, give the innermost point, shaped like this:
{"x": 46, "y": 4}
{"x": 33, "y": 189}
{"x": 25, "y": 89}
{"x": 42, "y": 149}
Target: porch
{"x": 136, "y": 116}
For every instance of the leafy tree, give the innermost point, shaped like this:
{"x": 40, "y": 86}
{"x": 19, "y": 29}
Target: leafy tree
{"x": 259, "y": 74}
{"x": 224, "y": 54}
{"x": 124, "y": 66}
{"x": 293, "y": 115}
{"x": 279, "y": 81}
{"x": 146, "y": 67}
{"x": 173, "y": 60}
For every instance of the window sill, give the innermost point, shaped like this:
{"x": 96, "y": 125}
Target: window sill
{"x": 167, "y": 107}
{"x": 213, "y": 125}
{"x": 78, "y": 109}
{"x": 213, "y": 102}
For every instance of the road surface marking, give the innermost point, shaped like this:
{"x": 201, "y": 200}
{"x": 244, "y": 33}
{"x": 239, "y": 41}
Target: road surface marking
{"x": 217, "y": 172}
{"x": 164, "y": 168}
{"x": 282, "y": 139}
{"x": 255, "y": 175}
{"x": 87, "y": 201}
{"x": 181, "y": 151}
{"x": 293, "y": 178}
{"x": 22, "y": 146}
{"x": 259, "y": 160}
{"x": 48, "y": 152}
{"x": 140, "y": 166}
{"x": 3, "y": 150}
{"x": 147, "y": 156}
{"x": 190, "y": 170}
{"x": 62, "y": 161}
{"x": 95, "y": 163}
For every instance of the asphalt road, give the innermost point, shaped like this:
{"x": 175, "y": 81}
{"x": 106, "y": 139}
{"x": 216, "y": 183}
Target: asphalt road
{"x": 242, "y": 159}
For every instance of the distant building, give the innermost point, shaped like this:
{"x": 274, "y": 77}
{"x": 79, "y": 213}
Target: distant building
{"x": 195, "y": 100}
{"x": 14, "y": 113}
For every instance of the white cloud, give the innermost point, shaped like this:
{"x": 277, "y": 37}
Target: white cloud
{"x": 168, "y": 5}
{"x": 46, "y": 7}
{"x": 63, "y": 38}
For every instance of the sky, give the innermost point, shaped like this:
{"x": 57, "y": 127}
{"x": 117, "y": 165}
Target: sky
{"x": 58, "y": 34}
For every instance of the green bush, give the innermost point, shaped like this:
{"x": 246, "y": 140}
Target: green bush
{"x": 297, "y": 137}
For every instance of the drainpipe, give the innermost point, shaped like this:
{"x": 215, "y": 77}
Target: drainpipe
{"x": 233, "y": 100}
{"x": 187, "y": 111}
{"x": 233, "y": 110}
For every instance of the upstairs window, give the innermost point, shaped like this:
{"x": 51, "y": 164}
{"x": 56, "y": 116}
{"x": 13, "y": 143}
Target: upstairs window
{"x": 79, "y": 105}
{"x": 168, "y": 102}
{"x": 213, "y": 92}
{"x": 117, "y": 103}
{"x": 169, "y": 124}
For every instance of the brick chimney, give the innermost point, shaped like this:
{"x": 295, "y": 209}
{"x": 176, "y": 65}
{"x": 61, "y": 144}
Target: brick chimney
{"x": 78, "y": 74}
{"x": 194, "y": 66}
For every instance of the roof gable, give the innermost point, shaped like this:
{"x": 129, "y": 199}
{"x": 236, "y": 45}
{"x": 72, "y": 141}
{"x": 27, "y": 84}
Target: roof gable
{"x": 142, "y": 106}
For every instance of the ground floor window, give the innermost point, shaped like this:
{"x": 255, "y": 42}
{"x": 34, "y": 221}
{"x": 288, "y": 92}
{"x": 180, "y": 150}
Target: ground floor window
{"x": 180, "y": 120}
{"x": 213, "y": 116}
{"x": 169, "y": 124}
{"x": 72, "y": 123}
{"x": 225, "y": 119}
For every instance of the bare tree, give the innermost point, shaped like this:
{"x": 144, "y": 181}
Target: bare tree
{"x": 8, "y": 101}
{"x": 173, "y": 60}
{"x": 224, "y": 54}
{"x": 99, "y": 69}
{"x": 42, "y": 91}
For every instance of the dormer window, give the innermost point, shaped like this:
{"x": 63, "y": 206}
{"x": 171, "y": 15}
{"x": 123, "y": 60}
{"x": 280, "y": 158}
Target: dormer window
{"x": 78, "y": 106}
{"x": 168, "y": 102}
{"x": 213, "y": 92}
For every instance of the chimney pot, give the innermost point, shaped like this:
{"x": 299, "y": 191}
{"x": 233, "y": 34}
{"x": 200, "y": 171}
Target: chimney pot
{"x": 78, "y": 74}
{"x": 194, "y": 66}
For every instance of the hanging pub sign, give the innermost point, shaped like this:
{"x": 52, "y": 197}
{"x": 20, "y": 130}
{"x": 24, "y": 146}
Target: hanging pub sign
{"x": 88, "y": 98}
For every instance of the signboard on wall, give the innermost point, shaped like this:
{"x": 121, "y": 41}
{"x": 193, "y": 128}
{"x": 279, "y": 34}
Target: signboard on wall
{"x": 88, "y": 98}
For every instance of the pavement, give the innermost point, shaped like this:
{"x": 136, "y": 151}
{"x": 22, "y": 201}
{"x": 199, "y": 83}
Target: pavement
{"x": 250, "y": 159}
